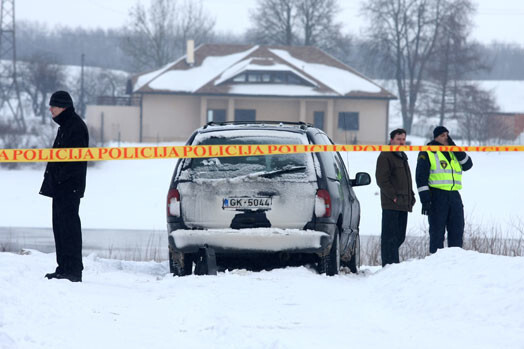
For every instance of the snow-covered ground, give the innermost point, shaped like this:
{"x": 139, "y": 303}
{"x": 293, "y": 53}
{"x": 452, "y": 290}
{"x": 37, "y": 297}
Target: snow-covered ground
{"x": 454, "y": 299}
{"x": 131, "y": 194}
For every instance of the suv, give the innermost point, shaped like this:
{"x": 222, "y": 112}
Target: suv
{"x": 299, "y": 207}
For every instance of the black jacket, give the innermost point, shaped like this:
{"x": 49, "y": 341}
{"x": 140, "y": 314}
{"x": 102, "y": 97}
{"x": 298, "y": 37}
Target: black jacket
{"x": 67, "y": 178}
{"x": 423, "y": 168}
{"x": 394, "y": 179}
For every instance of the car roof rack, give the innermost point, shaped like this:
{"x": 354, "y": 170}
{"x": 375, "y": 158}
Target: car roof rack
{"x": 301, "y": 124}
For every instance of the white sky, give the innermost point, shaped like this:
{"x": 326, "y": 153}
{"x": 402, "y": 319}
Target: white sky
{"x": 499, "y": 20}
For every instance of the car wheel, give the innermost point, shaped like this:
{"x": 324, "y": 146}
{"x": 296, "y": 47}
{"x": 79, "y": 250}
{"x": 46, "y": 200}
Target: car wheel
{"x": 354, "y": 262}
{"x": 180, "y": 264}
{"x": 330, "y": 264}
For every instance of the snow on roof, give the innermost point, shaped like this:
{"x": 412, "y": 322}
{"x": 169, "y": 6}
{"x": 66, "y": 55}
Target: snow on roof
{"x": 144, "y": 79}
{"x": 194, "y": 78}
{"x": 340, "y": 80}
{"x": 256, "y": 64}
{"x": 276, "y": 90}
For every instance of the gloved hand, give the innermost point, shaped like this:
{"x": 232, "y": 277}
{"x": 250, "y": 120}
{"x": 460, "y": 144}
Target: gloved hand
{"x": 426, "y": 206}
{"x": 450, "y": 141}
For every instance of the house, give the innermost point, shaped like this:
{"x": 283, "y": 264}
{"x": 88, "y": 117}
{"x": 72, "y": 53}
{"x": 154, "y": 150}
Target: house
{"x": 217, "y": 82}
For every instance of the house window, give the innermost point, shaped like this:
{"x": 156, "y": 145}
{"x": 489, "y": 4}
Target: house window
{"x": 294, "y": 80}
{"x": 318, "y": 119}
{"x": 348, "y": 121}
{"x": 216, "y": 115}
{"x": 240, "y": 78}
{"x": 254, "y": 77}
{"x": 245, "y": 114}
{"x": 270, "y": 77}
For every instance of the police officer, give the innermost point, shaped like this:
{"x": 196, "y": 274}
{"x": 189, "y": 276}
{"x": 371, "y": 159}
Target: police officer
{"x": 439, "y": 179}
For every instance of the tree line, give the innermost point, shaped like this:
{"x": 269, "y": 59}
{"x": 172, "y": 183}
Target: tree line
{"x": 425, "y": 46}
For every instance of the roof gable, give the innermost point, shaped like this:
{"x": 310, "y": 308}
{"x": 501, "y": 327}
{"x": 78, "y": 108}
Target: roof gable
{"x": 259, "y": 64}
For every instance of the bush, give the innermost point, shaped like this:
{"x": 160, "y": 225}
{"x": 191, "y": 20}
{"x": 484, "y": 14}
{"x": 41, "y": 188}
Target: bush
{"x": 483, "y": 238}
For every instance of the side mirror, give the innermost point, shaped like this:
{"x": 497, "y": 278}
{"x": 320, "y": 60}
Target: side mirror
{"x": 362, "y": 178}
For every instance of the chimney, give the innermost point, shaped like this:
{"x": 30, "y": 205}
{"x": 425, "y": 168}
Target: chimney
{"x": 190, "y": 52}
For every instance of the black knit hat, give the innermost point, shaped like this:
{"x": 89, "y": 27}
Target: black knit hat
{"x": 439, "y": 130}
{"x": 61, "y": 99}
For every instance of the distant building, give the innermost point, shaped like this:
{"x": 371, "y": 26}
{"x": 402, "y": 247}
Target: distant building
{"x": 506, "y": 126}
{"x": 244, "y": 83}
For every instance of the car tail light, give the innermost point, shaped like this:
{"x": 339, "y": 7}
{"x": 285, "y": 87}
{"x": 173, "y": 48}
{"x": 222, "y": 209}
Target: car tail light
{"x": 173, "y": 203}
{"x": 323, "y": 203}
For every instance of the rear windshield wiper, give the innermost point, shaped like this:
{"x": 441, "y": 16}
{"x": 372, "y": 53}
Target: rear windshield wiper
{"x": 282, "y": 171}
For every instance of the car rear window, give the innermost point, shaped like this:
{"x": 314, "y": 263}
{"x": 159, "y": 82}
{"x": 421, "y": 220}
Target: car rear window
{"x": 282, "y": 166}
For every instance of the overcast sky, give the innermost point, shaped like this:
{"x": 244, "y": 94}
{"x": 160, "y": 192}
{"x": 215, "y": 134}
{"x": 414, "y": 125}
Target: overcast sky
{"x": 499, "y": 20}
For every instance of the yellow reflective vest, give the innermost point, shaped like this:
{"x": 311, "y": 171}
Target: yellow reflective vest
{"x": 444, "y": 174}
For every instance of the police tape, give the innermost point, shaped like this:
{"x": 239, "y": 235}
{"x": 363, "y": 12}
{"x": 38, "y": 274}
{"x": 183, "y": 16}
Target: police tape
{"x": 207, "y": 151}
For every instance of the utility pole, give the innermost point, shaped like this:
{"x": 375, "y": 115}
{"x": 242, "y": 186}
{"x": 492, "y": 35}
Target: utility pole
{"x": 82, "y": 103}
{"x": 9, "y": 89}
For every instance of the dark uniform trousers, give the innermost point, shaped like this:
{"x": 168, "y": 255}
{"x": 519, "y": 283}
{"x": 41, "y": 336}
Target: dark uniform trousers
{"x": 68, "y": 234}
{"x": 393, "y": 235}
{"x": 447, "y": 211}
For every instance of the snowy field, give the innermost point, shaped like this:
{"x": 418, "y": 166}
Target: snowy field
{"x": 454, "y": 299}
{"x": 131, "y": 194}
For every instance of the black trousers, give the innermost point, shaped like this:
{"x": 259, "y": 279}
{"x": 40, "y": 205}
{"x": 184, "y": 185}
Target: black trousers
{"x": 394, "y": 225}
{"x": 68, "y": 235}
{"x": 447, "y": 212}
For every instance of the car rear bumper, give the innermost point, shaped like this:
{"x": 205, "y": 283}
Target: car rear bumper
{"x": 250, "y": 240}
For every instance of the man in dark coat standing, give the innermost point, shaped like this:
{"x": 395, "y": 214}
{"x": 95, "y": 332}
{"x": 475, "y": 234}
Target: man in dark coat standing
{"x": 396, "y": 195}
{"x": 439, "y": 179}
{"x": 65, "y": 183}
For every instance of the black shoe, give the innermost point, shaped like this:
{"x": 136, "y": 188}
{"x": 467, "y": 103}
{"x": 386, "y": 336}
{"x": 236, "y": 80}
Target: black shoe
{"x": 52, "y": 275}
{"x": 70, "y": 277}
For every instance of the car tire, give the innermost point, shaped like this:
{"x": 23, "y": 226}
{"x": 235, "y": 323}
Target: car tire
{"x": 354, "y": 262}
{"x": 180, "y": 264}
{"x": 330, "y": 264}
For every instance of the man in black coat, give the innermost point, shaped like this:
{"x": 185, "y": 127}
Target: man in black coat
{"x": 65, "y": 183}
{"x": 439, "y": 179}
{"x": 397, "y": 197}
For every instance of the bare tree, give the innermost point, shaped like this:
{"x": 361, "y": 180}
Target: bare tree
{"x": 406, "y": 32}
{"x": 475, "y": 109}
{"x": 454, "y": 58}
{"x": 149, "y": 41}
{"x": 316, "y": 18}
{"x": 40, "y": 77}
{"x": 156, "y": 35}
{"x": 193, "y": 22}
{"x": 274, "y": 22}
{"x": 297, "y": 22}
{"x": 100, "y": 82}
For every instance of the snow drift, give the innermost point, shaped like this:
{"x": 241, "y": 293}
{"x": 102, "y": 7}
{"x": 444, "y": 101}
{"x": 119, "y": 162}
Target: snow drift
{"x": 453, "y": 299}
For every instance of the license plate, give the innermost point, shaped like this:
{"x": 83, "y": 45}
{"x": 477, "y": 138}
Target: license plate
{"x": 247, "y": 203}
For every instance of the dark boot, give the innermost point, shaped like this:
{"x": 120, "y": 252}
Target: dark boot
{"x": 70, "y": 277}
{"x": 52, "y": 275}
